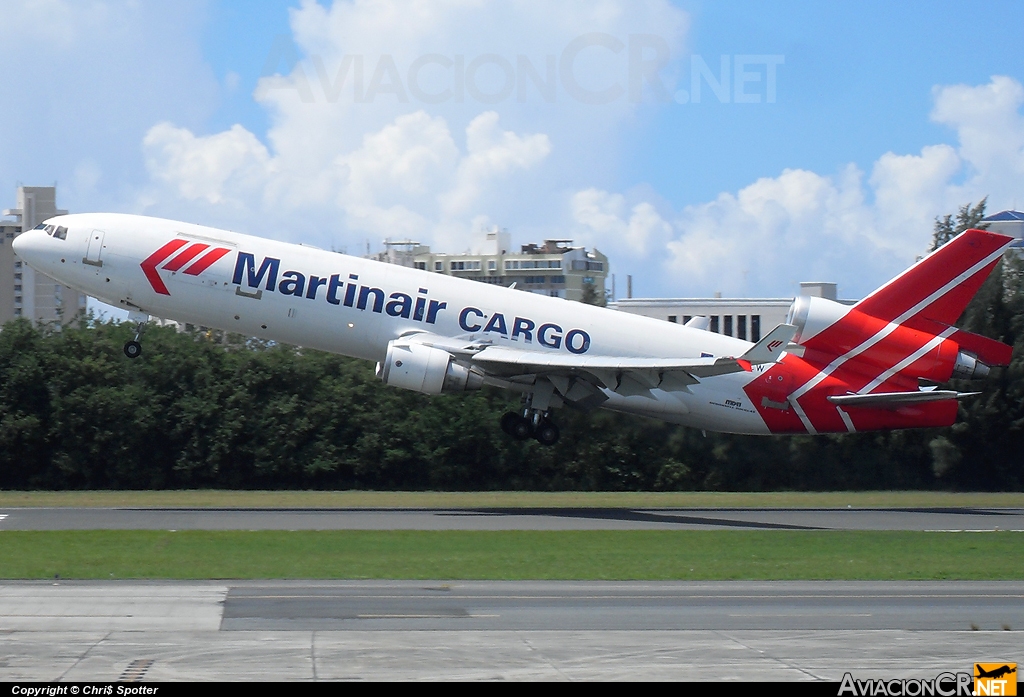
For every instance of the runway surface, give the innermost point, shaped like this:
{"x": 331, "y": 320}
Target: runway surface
{"x": 414, "y": 630}
{"x": 403, "y": 630}
{"x": 511, "y": 519}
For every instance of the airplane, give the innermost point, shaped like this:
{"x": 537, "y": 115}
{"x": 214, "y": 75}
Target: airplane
{"x": 831, "y": 368}
{"x": 994, "y": 673}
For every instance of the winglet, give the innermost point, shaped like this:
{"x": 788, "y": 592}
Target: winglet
{"x": 772, "y": 346}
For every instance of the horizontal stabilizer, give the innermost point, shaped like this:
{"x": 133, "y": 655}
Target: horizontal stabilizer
{"x": 892, "y": 400}
{"x": 989, "y": 351}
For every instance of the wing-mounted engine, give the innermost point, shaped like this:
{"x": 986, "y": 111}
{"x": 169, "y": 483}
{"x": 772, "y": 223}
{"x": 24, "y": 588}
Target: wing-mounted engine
{"x": 426, "y": 369}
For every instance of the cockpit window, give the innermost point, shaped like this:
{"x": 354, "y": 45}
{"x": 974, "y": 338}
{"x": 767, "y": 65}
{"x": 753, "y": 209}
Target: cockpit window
{"x": 40, "y": 226}
{"x": 61, "y": 233}
{"x": 49, "y": 229}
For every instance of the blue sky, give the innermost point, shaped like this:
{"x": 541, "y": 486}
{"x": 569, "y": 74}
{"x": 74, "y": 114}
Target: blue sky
{"x": 884, "y": 116}
{"x": 856, "y": 83}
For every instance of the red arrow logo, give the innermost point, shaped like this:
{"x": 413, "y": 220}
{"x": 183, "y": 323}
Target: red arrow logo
{"x": 149, "y": 266}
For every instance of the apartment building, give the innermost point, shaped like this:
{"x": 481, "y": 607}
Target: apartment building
{"x": 23, "y": 291}
{"x": 556, "y": 268}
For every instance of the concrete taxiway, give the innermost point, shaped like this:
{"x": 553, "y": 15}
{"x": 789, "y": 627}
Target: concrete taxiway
{"x": 400, "y": 630}
{"x": 510, "y": 519}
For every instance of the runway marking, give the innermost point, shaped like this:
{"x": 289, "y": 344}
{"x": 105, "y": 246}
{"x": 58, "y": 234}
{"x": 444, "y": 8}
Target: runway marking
{"x": 799, "y": 614}
{"x": 682, "y": 596}
{"x": 136, "y": 670}
{"x": 2, "y": 516}
{"x": 422, "y": 617}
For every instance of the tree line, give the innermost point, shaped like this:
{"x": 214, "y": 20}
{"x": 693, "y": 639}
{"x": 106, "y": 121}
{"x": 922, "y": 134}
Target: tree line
{"x": 197, "y": 411}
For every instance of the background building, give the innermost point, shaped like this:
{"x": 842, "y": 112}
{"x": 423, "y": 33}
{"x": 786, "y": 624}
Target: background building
{"x": 1008, "y": 223}
{"x": 744, "y": 318}
{"x": 555, "y": 268}
{"x": 23, "y": 291}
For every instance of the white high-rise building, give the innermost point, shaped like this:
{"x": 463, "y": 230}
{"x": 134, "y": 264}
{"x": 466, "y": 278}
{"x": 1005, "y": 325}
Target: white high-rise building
{"x": 24, "y": 292}
{"x": 555, "y": 268}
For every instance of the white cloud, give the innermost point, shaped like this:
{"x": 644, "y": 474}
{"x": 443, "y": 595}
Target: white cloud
{"x": 601, "y": 223}
{"x": 772, "y": 234}
{"x": 801, "y": 225}
{"x": 492, "y": 154}
{"x": 401, "y": 119}
{"x": 421, "y": 119}
{"x": 228, "y": 167}
{"x": 990, "y": 131}
{"x": 909, "y": 189}
{"x": 84, "y": 81}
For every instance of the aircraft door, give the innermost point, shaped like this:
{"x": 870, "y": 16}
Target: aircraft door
{"x": 94, "y": 249}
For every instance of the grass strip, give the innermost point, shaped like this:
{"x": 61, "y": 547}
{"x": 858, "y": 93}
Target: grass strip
{"x": 579, "y": 555}
{"x": 507, "y": 499}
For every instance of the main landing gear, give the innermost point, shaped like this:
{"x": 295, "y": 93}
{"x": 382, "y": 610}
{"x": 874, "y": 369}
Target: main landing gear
{"x": 531, "y": 424}
{"x": 533, "y": 420}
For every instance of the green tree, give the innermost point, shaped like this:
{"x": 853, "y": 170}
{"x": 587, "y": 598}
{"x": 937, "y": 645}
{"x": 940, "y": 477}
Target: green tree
{"x": 967, "y": 218}
{"x": 982, "y": 450}
{"x": 592, "y": 297}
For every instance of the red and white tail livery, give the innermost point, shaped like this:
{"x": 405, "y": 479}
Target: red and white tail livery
{"x": 830, "y": 368}
{"x": 861, "y": 366}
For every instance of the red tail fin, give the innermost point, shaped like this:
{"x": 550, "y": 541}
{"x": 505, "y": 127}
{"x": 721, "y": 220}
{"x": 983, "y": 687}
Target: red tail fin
{"x": 939, "y": 286}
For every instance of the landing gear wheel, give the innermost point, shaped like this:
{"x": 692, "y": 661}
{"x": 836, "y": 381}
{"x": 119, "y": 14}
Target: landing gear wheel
{"x": 546, "y": 433}
{"x": 521, "y": 428}
{"x": 133, "y": 349}
{"x": 508, "y": 420}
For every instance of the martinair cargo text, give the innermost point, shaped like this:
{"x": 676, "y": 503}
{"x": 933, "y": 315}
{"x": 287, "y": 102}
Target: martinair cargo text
{"x": 877, "y": 364}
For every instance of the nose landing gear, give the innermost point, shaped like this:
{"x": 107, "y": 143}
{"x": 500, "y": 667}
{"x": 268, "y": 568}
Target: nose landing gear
{"x": 133, "y": 349}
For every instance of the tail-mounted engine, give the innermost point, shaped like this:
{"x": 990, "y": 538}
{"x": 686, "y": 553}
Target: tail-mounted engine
{"x": 426, "y": 369}
{"x": 833, "y": 329}
{"x": 811, "y": 315}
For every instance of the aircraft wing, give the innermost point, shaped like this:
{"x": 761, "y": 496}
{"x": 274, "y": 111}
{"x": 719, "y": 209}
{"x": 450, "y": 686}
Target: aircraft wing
{"x": 626, "y": 375}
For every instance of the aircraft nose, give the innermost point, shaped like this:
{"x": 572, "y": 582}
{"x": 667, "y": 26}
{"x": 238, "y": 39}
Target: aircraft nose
{"x": 30, "y": 246}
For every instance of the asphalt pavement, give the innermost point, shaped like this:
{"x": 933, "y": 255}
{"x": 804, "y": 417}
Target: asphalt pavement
{"x": 967, "y": 519}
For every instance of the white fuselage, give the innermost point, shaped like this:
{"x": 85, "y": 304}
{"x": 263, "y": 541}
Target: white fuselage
{"x": 352, "y": 306}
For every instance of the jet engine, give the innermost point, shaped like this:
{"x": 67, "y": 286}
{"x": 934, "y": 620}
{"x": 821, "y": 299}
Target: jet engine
{"x": 426, "y": 369}
{"x": 811, "y": 314}
{"x": 880, "y": 344}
